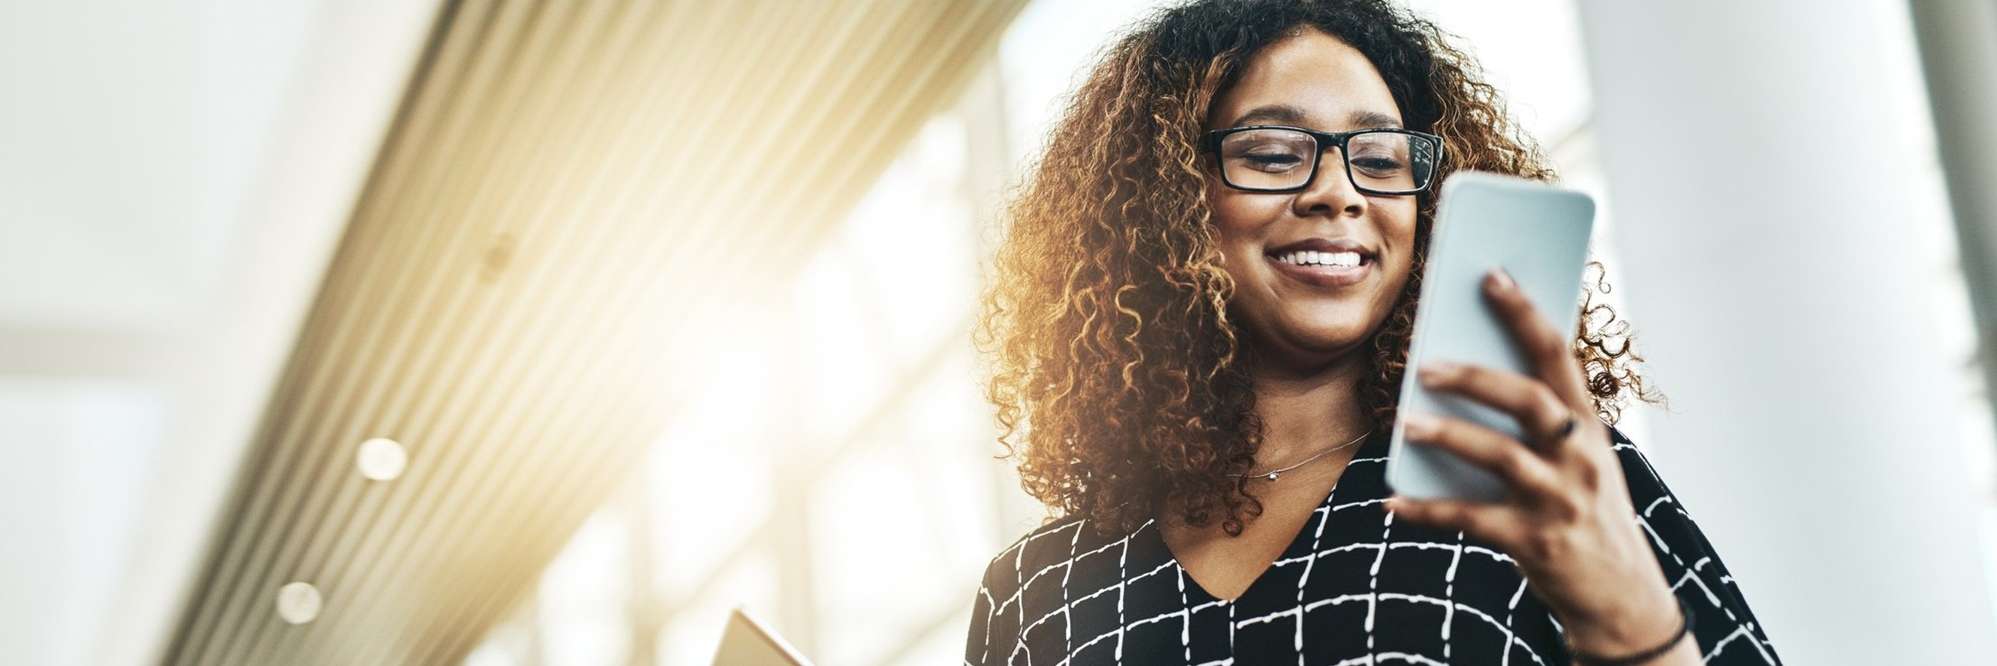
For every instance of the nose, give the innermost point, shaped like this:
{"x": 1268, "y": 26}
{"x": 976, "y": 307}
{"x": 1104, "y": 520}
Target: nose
{"x": 1330, "y": 191}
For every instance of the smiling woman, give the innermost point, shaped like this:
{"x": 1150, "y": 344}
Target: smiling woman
{"x": 1199, "y": 324}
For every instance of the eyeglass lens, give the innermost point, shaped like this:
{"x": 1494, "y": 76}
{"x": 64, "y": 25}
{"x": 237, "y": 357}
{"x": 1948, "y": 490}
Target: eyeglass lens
{"x": 1275, "y": 159}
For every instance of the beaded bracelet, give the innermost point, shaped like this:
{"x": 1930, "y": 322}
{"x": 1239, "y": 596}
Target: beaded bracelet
{"x": 1684, "y": 627}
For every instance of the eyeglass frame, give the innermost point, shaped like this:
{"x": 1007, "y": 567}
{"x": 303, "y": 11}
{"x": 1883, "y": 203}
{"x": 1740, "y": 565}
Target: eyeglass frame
{"x": 1325, "y": 140}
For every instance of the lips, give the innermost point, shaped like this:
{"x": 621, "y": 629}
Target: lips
{"x": 1328, "y": 277}
{"x": 1322, "y": 276}
{"x": 1366, "y": 254}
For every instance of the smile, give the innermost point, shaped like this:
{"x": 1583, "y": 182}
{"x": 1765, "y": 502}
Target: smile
{"x": 1323, "y": 269}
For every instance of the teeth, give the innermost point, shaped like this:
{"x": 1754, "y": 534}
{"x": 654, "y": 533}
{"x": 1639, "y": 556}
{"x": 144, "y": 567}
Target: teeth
{"x": 1313, "y": 258}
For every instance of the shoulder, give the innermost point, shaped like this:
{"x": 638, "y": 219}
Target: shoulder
{"x": 1024, "y": 584}
{"x": 1724, "y": 625}
{"x": 1041, "y": 548}
{"x": 1655, "y": 504}
{"x": 1001, "y": 606}
{"x": 1064, "y": 552}
{"x": 1636, "y": 466}
{"x": 1652, "y": 497}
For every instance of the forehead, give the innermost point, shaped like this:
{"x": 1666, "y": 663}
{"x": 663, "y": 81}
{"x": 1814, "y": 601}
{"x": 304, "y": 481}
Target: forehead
{"x": 1331, "y": 85}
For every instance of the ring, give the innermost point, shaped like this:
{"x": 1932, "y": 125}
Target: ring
{"x": 1566, "y": 427}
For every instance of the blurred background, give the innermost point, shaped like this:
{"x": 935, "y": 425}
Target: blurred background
{"x": 504, "y": 332}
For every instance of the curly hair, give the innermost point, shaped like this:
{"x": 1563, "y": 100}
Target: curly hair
{"x": 1105, "y": 326}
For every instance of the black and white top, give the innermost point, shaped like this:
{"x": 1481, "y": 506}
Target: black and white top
{"x": 1353, "y": 587}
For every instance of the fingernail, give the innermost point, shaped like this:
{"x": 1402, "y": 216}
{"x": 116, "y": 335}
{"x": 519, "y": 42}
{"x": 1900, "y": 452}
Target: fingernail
{"x": 1501, "y": 279}
{"x": 1434, "y": 371}
{"x": 1418, "y": 425}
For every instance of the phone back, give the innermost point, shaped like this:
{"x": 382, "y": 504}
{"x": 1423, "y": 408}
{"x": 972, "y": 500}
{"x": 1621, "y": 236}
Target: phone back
{"x": 1539, "y": 234}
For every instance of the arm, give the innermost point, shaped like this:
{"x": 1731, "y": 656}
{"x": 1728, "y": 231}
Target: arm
{"x": 1569, "y": 521}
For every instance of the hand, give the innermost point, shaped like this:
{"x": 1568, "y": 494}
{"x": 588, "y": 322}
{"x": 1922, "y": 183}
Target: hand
{"x": 1566, "y": 519}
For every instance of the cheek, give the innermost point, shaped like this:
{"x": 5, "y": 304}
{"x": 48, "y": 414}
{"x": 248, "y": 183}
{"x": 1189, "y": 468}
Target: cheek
{"x": 1241, "y": 216}
{"x": 1397, "y": 229}
{"x": 1237, "y": 221}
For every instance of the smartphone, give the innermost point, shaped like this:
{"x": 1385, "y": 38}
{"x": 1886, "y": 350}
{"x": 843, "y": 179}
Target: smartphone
{"x": 1537, "y": 233}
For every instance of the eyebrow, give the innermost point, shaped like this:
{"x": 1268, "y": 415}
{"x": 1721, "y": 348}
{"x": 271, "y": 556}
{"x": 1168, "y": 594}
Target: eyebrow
{"x": 1285, "y": 113}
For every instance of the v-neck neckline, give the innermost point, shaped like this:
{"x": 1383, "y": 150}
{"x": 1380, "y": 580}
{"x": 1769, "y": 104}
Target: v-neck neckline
{"x": 1193, "y": 585}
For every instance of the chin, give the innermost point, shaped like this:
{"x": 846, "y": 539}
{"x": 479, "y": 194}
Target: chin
{"x": 1340, "y": 343}
{"x": 1329, "y": 337}
{"x": 1329, "y": 322}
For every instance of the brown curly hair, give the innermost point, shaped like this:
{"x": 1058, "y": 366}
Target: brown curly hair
{"x": 1105, "y": 326}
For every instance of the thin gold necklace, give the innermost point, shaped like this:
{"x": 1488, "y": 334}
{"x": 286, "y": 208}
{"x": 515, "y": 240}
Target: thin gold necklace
{"x": 1272, "y": 474}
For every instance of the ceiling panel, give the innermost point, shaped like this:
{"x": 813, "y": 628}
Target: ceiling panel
{"x": 572, "y": 195}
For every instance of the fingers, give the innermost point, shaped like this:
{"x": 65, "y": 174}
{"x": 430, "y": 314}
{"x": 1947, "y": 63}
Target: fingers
{"x": 1539, "y": 411}
{"x": 1547, "y": 347}
{"x": 1524, "y": 471}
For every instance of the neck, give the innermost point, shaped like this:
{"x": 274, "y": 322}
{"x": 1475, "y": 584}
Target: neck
{"x": 1306, "y": 412}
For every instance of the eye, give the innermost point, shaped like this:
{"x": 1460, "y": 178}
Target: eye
{"x": 1267, "y": 150}
{"x": 1283, "y": 160}
{"x": 1378, "y": 164}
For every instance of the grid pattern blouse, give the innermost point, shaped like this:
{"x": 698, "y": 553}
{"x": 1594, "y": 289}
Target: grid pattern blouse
{"x": 1353, "y": 587}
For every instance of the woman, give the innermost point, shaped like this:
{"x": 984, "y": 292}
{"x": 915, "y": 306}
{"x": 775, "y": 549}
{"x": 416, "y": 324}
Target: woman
{"x": 1198, "y": 339}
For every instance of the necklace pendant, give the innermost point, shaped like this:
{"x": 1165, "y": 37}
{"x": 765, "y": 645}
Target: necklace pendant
{"x": 1272, "y": 476}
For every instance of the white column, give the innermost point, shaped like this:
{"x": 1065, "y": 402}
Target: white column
{"x": 1772, "y": 168}
{"x": 1958, "y": 43}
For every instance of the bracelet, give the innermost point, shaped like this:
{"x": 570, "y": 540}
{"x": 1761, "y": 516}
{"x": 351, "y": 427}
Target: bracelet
{"x": 1684, "y": 627}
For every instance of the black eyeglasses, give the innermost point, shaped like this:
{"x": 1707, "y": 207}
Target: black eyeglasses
{"x": 1277, "y": 158}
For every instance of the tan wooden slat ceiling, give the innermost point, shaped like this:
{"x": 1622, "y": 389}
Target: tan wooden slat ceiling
{"x": 569, "y": 188}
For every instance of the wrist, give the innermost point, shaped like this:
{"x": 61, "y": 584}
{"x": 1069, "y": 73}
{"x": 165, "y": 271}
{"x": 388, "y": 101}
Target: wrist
{"x": 1652, "y": 622}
